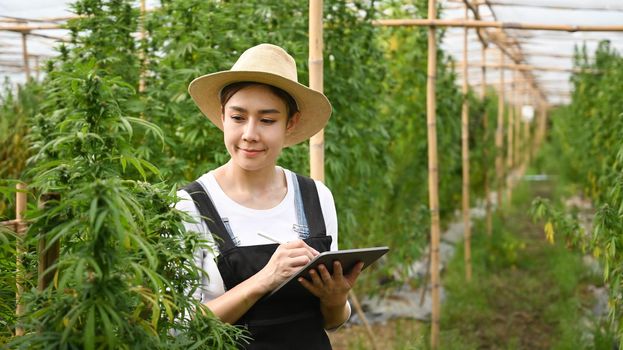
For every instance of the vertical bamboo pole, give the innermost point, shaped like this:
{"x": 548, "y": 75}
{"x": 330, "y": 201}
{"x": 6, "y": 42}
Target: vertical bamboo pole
{"x": 518, "y": 117}
{"x": 509, "y": 136}
{"x": 485, "y": 126}
{"x": 541, "y": 126}
{"x": 37, "y": 68}
{"x": 499, "y": 135}
{"x": 511, "y": 121}
{"x": 316, "y": 143}
{"x": 465, "y": 158}
{"x": 433, "y": 175}
{"x": 20, "y": 278}
{"x": 142, "y": 56}
{"x": 25, "y": 55}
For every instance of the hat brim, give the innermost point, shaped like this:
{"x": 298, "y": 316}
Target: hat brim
{"x": 314, "y": 107}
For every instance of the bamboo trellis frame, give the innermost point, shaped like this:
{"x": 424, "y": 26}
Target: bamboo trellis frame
{"x": 431, "y": 22}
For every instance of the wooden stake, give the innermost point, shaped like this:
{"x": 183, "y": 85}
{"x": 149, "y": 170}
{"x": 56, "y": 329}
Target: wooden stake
{"x": 25, "y": 55}
{"x": 465, "y": 159}
{"x": 20, "y": 250}
{"x": 316, "y": 143}
{"x": 433, "y": 176}
{"x": 485, "y": 126}
{"x": 499, "y": 134}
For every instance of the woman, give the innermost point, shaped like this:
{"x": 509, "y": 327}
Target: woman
{"x": 261, "y": 108}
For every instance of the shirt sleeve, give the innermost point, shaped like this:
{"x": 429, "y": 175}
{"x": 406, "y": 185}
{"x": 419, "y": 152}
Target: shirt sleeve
{"x": 211, "y": 285}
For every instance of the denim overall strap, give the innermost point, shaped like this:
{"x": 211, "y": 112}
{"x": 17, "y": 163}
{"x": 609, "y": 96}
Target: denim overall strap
{"x": 311, "y": 206}
{"x": 210, "y": 215}
{"x": 301, "y": 221}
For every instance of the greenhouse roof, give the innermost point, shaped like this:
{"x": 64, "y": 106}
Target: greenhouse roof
{"x": 546, "y": 56}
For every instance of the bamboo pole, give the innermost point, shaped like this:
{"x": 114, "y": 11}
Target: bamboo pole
{"x": 433, "y": 176}
{"x": 37, "y": 68}
{"x": 499, "y": 134}
{"x": 40, "y": 20}
{"x": 509, "y": 137}
{"x": 25, "y": 55}
{"x": 27, "y": 28}
{"x": 414, "y": 22}
{"x": 554, "y": 7}
{"x": 142, "y": 55}
{"x": 20, "y": 273}
{"x": 527, "y": 67}
{"x": 465, "y": 159}
{"x": 518, "y": 119}
{"x": 316, "y": 143}
{"x": 485, "y": 126}
{"x": 541, "y": 128}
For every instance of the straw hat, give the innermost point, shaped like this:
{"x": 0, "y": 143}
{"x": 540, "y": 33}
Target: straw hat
{"x": 268, "y": 64}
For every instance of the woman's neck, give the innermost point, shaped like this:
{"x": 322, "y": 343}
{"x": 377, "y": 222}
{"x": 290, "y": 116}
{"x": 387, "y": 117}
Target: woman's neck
{"x": 257, "y": 189}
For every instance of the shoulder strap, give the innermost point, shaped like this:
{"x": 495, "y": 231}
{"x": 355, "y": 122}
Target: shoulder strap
{"x": 210, "y": 215}
{"x": 311, "y": 205}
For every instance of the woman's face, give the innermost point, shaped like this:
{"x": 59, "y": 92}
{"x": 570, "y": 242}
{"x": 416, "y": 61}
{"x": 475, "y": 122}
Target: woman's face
{"x": 254, "y": 127}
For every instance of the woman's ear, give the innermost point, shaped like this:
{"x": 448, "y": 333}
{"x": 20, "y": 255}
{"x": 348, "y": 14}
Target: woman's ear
{"x": 292, "y": 122}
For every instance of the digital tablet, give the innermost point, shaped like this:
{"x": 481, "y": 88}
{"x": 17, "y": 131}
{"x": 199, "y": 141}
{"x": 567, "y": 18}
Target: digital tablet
{"x": 348, "y": 258}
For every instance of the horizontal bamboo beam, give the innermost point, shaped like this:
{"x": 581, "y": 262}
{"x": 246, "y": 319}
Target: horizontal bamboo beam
{"x": 29, "y": 54}
{"x": 546, "y": 6}
{"x": 37, "y": 20}
{"x": 522, "y": 81}
{"x": 28, "y": 28}
{"x": 410, "y": 22}
{"x": 527, "y": 67}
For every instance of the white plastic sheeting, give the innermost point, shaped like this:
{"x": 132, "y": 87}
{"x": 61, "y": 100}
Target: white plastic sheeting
{"x": 541, "y": 49}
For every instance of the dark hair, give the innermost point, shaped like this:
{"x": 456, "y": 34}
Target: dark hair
{"x": 230, "y": 90}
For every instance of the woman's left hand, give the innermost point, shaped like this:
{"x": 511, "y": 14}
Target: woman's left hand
{"x": 332, "y": 290}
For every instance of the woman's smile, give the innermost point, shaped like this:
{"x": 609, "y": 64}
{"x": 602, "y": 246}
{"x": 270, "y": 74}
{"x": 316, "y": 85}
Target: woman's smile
{"x": 250, "y": 152}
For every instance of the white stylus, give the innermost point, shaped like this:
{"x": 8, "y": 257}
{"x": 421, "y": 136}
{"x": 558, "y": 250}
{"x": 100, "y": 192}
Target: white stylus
{"x": 270, "y": 238}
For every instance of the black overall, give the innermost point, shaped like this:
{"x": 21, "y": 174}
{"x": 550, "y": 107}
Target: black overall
{"x": 291, "y": 318}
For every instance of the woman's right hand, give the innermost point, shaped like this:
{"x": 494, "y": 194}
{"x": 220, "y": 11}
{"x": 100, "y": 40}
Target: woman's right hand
{"x": 285, "y": 261}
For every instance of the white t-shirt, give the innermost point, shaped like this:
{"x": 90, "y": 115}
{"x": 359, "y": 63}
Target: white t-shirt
{"x": 245, "y": 223}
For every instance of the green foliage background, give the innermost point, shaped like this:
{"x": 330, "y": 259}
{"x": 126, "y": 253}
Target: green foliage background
{"x": 586, "y": 150}
{"x": 115, "y": 154}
